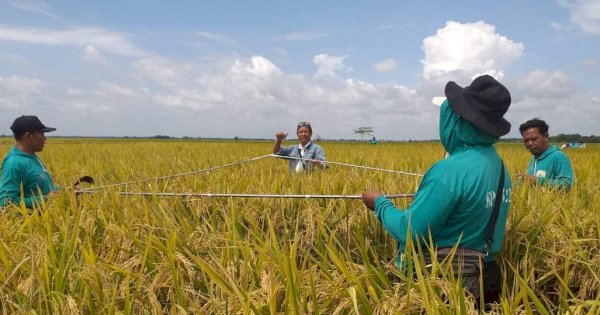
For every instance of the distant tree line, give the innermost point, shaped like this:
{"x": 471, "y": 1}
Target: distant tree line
{"x": 568, "y": 138}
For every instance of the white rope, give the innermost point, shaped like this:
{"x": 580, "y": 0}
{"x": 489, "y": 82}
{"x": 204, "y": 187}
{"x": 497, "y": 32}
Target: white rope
{"x": 345, "y": 164}
{"x": 216, "y": 195}
{"x": 177, "y": 175}
{"x": 90, "y": 190}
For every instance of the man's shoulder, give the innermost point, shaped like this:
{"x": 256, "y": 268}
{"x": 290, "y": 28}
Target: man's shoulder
{"x": 316, "y": 145}
{"x": 15, "y": 160}
{"x": 558, "y": 155}
{"x": 462, "y": 164}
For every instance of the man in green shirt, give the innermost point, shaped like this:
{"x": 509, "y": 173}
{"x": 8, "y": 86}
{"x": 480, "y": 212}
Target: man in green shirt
{"x": 23, "y": 176}
{"x": 549, "y": 166}
{"x": 457, "y": 195}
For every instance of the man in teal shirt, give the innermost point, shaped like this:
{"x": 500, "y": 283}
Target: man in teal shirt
{"x": 23, "y": 176}
{"x": 455, "y": 199}
{"x": 549, "y": 166}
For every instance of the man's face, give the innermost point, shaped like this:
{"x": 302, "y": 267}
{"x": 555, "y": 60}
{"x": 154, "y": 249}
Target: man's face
{"x": 535, "y": 142}
{"x": 304, "y": 135}
{"x": 35, "y": 141}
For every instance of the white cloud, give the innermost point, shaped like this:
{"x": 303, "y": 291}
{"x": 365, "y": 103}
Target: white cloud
{"x": 33, "y": 6}
{"x": 160, "y": 70}
{"x": 91, "y": 54}
{"x": 544, "y": 85}
{"x": 7, "y": 104}
{"x": 105, "y": 40}
{"x": 13, "y": 58}
{"x": 259, "y": 66}
{"x": 585, "y": 14}
{"x": 21, "y": 85}
{"x": 112, "y": 89}
{"x": 220, "y": 38}
{"x": 328, "y": 65}
{"x": 387, "y": 65}
{"x": 73, "y": 92}
{"x": 303, "y": 36}
{"x": 467, "y": 48}
{"x": 590, "y": 63}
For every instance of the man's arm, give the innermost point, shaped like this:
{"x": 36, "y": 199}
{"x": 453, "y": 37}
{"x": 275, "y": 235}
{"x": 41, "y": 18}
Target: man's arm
{"x": 279, "y": 137}
{"x": 429, "y": 211}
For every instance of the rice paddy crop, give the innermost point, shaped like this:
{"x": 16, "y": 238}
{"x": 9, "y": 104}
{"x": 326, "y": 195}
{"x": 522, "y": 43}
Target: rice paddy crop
{"x": 109, "y": 254}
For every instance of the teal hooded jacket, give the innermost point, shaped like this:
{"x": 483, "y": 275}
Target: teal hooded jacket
{"x": 552, "y": 168}
{"x": 455, "y": 199}
{"x": 26, "y": 171}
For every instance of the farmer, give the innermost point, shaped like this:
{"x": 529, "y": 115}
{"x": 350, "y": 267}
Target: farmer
{"x": 456, "y": 198}
{"x": 549, "y": 166}
{"x": 23, "y": 177}
{"x": 306, "y": 149}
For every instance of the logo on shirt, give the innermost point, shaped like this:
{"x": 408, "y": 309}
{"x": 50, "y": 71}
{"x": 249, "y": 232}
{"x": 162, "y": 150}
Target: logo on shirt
{"x": 490, "y": 197}
{"x": 540, "y": 173}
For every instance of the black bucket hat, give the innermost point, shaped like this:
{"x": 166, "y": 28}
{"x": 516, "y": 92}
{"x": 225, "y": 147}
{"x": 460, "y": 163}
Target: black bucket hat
{"x": 483, "y": 103}
{"x": 29, "y": 123}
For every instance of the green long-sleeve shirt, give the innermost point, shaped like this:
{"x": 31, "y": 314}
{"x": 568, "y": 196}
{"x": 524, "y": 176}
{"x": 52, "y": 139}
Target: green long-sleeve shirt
{"x": 23, "y": 172}
{"x": 552, "y": 168}
{"x": 456, "y": 197}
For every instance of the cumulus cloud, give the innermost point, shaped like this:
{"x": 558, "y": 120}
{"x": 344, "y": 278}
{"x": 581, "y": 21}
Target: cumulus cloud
{"x": 328, "y": 65}
{"x": 105, "y": 40}
{"x": 585, "y": 14}
{"x": 469, "y": 48}
{"x": 259, "y": 66}
{"x": 160, "y": 70}
{"x": 387, "y": 65}
{"x": 91, "y": 54}
{"x": 541, "y": 84}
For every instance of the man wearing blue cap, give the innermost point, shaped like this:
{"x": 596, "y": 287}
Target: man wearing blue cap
{"x": 23, "y": 176}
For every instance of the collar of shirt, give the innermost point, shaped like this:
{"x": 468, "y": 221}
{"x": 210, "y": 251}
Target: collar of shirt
{"x": 306, "y": 146}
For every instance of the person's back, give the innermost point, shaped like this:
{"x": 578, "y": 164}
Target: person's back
{"x": 457, "y": 196}
{"x": 460, "y": 190}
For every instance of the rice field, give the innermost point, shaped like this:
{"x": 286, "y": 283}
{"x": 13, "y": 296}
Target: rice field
{"x": 105, "y": 253}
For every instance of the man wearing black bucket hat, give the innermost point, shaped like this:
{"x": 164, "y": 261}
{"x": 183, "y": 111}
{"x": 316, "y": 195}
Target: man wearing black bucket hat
{"x": 22, "y": 173}
{"x": 456, "y": 201}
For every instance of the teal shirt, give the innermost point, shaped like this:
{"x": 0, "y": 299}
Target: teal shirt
{"x": 20, "y": 169}
{"x": 455, "y": 199}
{"x": 552, "y": 168}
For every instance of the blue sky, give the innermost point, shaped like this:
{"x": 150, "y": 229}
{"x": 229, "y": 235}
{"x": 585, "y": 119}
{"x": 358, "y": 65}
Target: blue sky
{"x": 251, "y": 68}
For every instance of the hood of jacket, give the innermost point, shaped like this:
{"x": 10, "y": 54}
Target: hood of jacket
{"x": 457, "y": 134}
{"x": 548, "y": 151}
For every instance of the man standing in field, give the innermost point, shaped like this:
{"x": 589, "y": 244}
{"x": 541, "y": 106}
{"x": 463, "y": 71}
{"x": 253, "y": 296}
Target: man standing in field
{"x": 306, "y": 149}
{"x": 23, "y": 177}
{"x": 549, "y": 166}
{"x": 458, "y": 196}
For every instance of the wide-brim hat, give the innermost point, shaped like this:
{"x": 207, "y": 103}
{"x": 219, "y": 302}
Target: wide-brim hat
{"x": 483, "y": 103}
